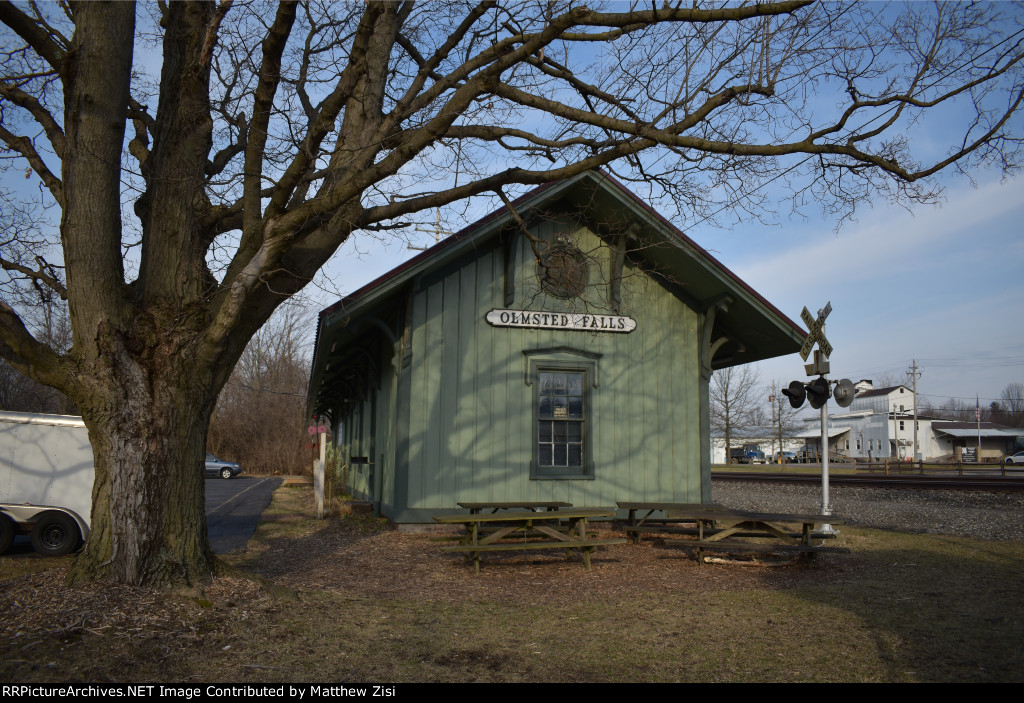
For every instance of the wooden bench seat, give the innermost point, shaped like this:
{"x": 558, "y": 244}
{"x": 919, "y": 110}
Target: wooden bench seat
{"x": 513, "y": 546}
{"x": 491, "y": 530}
{"x": 551, "y": 506}
{"x": 654, "y": 529}
{"x": 585, "y": 546}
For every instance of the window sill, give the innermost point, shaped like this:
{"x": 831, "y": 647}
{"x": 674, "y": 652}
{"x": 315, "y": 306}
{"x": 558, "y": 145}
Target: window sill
{"x": 550, "y": 476}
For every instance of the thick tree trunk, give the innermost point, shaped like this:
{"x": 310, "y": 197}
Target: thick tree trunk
{"x": 143, "y": 373}
{"x": 149, "y": 437}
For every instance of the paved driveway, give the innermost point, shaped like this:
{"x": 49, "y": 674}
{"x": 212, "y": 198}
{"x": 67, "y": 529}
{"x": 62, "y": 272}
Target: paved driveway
{"x": 233, "y": 507}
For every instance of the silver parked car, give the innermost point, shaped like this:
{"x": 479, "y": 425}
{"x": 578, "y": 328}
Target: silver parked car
{"x": 225, "y": 469}
{"x": 1017, "y": 458}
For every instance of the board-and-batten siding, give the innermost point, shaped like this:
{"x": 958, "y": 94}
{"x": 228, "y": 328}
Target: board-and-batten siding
{"x": 470, "y": 426}
{"x": 369, "y": 430}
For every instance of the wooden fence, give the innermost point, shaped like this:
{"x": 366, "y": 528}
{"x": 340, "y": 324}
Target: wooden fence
{"x": 890, "y": 467}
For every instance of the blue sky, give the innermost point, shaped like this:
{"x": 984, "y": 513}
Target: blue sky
{"x": 941, "y": 284}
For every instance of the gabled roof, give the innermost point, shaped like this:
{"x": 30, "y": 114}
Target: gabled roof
{"x": 702, "y": 281}
{"x": 881, "y": 391}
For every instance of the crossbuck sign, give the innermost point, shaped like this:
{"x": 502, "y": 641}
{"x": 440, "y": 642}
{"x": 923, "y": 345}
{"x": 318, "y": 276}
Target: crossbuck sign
{"x": 816, "y": 333}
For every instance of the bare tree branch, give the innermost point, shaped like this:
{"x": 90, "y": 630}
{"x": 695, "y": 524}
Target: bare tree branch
{"x": 39, "y": 274}
{"x": 51, "y": 46}
{"x": 25, "y": 147}
{"x": 30, "y": 356}
{"x": 50, "y": 126}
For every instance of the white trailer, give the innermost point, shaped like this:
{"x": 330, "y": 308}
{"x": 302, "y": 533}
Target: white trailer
{"x": 46, "y": 477}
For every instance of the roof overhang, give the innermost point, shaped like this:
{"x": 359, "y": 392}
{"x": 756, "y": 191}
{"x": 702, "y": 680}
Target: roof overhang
{"x": 985, "y": 432}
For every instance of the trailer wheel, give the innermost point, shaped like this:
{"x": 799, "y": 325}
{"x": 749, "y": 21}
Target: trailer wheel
{"x": 55, "y": 534}
{"x": 6, "y": 533}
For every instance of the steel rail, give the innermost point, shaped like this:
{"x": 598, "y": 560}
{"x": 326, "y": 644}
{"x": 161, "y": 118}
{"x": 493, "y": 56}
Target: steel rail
{"x": 867, "y": 480}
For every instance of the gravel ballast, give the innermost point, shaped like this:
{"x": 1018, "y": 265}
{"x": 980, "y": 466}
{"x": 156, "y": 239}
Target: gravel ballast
{"x": 977, "y": 514}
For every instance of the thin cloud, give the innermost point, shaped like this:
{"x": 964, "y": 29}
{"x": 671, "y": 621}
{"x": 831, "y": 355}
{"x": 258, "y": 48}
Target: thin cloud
{"x": 887, "y": 241}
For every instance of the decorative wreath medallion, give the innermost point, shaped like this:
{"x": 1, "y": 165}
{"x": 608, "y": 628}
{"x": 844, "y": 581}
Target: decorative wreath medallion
{"x": 563, "y": 271}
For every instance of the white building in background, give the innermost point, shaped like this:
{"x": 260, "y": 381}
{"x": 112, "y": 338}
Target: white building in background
{"x": 718, "y": 452}
{"x": 761, "y": 436}
{"x": 879, "y": 425}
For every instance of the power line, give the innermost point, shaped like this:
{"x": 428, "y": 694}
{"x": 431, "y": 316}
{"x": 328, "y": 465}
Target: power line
{"x": 957, "y": 397}
{"x": 945, "y": 363}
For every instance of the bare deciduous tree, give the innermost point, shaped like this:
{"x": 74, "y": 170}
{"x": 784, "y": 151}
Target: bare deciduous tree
{"x": 734, "y": 397}
{"x": 952, "y": 409}
{"x": 259, "y": 419}
{"x": 1011, "y": 405}
{"x": 890, "y": 379}
{"x": 274, "y": 131}
{"x": 784, "y": 421}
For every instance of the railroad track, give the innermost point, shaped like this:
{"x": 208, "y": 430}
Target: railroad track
{"x": 867, "y": 480}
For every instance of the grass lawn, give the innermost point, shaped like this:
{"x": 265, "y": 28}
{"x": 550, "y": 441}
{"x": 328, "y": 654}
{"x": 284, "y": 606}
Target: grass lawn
{"x": 348, "y": 599}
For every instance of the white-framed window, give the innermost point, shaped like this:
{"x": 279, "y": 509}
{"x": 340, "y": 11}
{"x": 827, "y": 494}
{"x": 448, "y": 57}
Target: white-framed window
{"x": 561, "y": 420}
{"x": 563, "y": 381}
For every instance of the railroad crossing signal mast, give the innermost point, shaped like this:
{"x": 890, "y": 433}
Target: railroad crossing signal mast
{"x": 818, "y": 391}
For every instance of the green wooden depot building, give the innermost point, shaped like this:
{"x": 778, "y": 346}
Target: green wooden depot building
{"x": 559, "y": 354}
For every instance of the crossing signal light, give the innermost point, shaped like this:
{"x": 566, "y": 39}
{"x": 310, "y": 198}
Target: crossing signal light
{"x": 817, "y": 392}
{"x": 795, "y": 393}
{"x": 844, "y": 392}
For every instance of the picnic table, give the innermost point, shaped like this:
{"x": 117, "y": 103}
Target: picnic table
{"x": 550, "y": 505}
{"x": 495, "y": 532}
{"x": 669, "y": 523}
{"x": 712, "y": 527}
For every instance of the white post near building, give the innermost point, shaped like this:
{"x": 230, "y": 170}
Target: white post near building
{"x": 318, "y": 467}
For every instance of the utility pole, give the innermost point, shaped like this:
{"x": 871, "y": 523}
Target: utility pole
{"x": 914, "y": 374}
{"x": 436, "y": 229}
{"x": 977, "y": 417}
{"x": 896, "y": 430}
